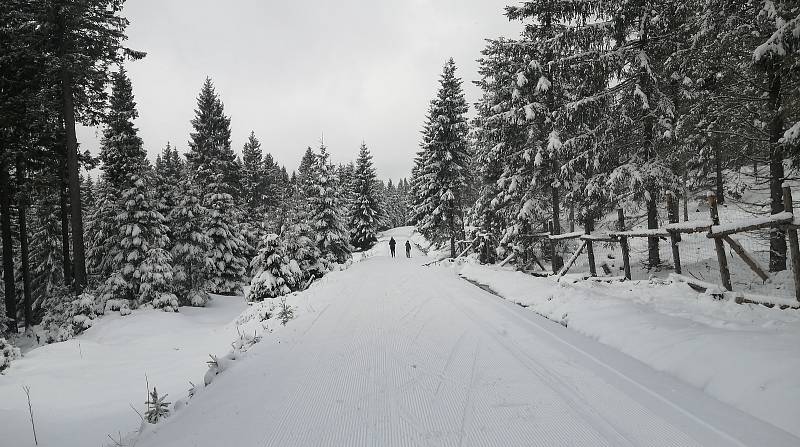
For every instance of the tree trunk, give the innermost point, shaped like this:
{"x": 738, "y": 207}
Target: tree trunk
{"x": 63, "y": 202}
{"x": 8, "y": 246}
{"x": 68, "y": 111}
{"x": 452, "y": 223}
{"x": 653, "y": 257}
{"x": 22, "y": 210}
{"x": 557, "y": 261}
{"x": 718, "y": 173}
{"x": 777, "y": 236}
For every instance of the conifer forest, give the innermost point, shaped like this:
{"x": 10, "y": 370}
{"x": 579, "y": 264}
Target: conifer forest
{"x": 634, "y": 152}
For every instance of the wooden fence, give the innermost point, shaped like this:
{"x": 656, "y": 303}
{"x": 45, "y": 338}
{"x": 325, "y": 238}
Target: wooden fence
{"x": 719, "y": 233}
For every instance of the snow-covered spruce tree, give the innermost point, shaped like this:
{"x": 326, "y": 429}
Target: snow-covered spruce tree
{"x": 227, "y": 244}
{"x": 210, "y": 155}
{"x": 121, "y": 150}
{"x": 326, "y": 210}
{"x": 141, "y": 265}
{"x": 298, "y": 235}
{"x": 169, "y": 172}
{"x": 87, "y": 194}
{"x": 212, "y": 165}
{"x": 46, "y": 254}
{"x": 121, "y": 154}
{"x": 157, "y": 279}
{"x": 366, "y": 213}
{"x": 274, "y": 273}
{"x": 440, "y": 168}
{"x": 255, "y": 182}
{"x": 101, "y": 232}
{"x": 513, "y": 200}
{"x": 190, "y": 245}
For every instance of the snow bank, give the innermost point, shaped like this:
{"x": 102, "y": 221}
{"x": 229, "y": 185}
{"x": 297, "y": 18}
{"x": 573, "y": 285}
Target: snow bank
{"x": 745, "y": 355}
{"x": 82, "y": 389}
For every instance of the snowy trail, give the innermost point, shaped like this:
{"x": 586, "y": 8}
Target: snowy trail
{"x": 393, "y": 353}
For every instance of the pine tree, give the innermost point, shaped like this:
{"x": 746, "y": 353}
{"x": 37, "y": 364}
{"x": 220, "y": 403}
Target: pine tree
{"x": 121, "y": 154}
{"x": 190, "y": 246}
{"x": 87, "y": 195}
{"x": 274, "y": 273}
{"x": 101, "y": 231}
{"x": 169, "y": 174}
{"x": 121, "y": 150}
{"x": 142, "y": 267}
{"x": 253, "y": 175}
{"x": 325, "y": 210}
{"x": 441, "y": 164}
{"x": 210, "y": 150}
{"x": 366, "y": 215}
{"x": 255, "y": 181}
{"x": 227, "y": 243}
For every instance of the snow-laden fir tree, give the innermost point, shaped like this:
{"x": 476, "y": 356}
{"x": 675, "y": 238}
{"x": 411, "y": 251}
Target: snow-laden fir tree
{"x": 169, "y": 172}
{"x": 366, "y": 213}
{"x": 440, "y": 168}
{"x": 87, "y": 194}
{"x": 210, "y": 152}
{"x": 121, "y": 150}
{"x": 255, "y": 183}
{"x": 142, "y": 268}
{"x": 46, "y": 245}
{"x": 121, "y": 154}
{"x": 101, "y": 231}
{"x": 157, "y": 280}
{"x": 190, "y": 245}
{"x": 274, "y": 273}
{"x": 228, "y": 245}
{"x": 326, "y": 210}
{"x": 254, "y": 179}
{"x": 130, "y": 251}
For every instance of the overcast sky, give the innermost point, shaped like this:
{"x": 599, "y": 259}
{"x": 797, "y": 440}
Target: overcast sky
{"x": 293, "y": 71}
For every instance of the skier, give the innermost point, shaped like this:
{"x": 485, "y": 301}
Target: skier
{"x": 392, "y": 243}
{"x": 408, "y": 249}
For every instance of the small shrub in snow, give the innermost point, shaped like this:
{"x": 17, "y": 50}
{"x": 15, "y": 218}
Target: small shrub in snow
{"x": 7, "y": 354}
{"x": 157, "y": 407}
{"x": 112, "y": 293}
{"x": 70, "y": 318}
{"x": 285, "y": 312}
{"x": 274, "y": 274}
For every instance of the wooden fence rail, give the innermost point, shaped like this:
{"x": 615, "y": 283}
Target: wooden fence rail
{"x": 720, "y": 233}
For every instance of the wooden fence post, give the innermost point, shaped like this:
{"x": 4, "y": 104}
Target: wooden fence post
{"x": 793, "y": 244}
{"x": 623, "y": 242}
{"x": 589, "y": 248}
{"x": 674, "y": 236}
{"x": 724, "y": 272}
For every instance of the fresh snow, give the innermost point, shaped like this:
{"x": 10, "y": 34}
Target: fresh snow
{"x": 82, "y": 389}
{"x": 391, "y": 352}
{"x": 744, "y": 355}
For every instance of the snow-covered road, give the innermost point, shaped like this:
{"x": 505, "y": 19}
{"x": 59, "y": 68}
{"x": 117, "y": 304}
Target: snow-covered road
{"x": 390, "y": 352}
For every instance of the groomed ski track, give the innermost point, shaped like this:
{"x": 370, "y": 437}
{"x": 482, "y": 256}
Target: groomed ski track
{"x": 392, "y": 353}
